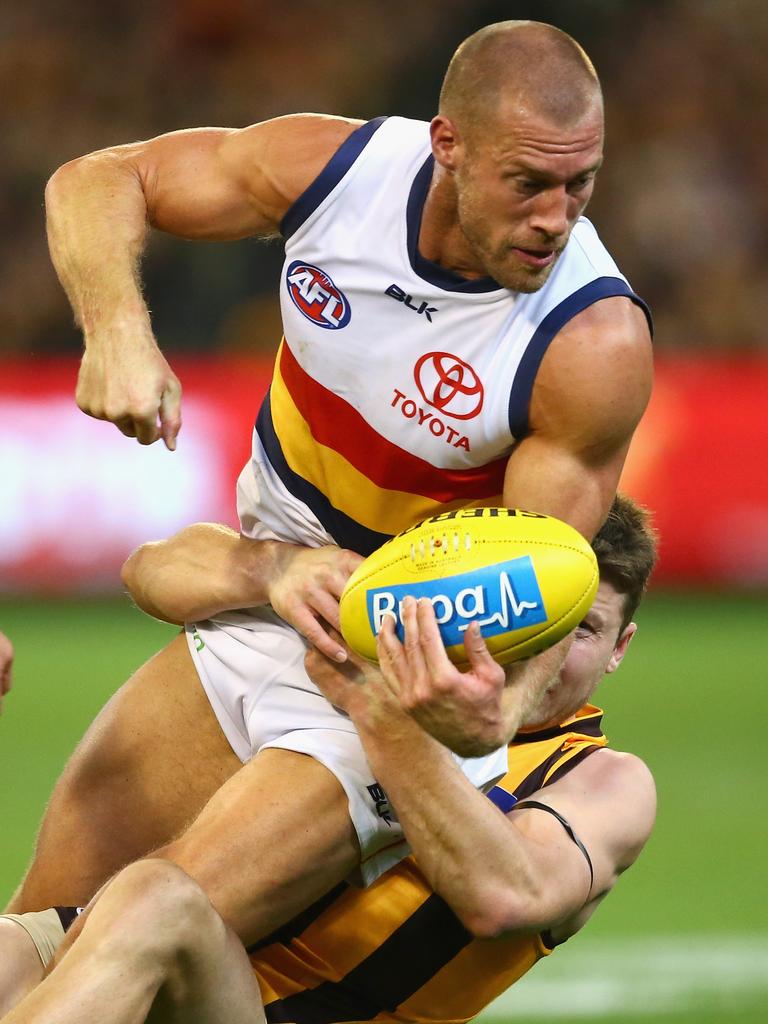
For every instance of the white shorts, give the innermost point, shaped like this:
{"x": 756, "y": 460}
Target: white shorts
{"x": 251, "y": 665}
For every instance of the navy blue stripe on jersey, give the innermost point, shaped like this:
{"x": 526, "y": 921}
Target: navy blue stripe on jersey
{"x": 346, "y": 532}
{"x": 329, "y": 177}
{"x": 566, "y": 766}
{"x": 433, "y": 272}
{"x": 590, "y": 725}
{"x": 554, "y": 321}
{"x": 538, "y": 777}
{"x": 504, "y": 801}
{"x": 534, "y": 781}
{"x": 402, "y": 965}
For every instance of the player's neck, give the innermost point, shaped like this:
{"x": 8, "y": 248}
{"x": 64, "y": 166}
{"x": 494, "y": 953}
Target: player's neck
{"x": 441, "y": 239}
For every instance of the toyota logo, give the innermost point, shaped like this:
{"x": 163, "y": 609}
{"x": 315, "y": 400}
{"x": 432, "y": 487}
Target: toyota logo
{"x": 449, "y": 384}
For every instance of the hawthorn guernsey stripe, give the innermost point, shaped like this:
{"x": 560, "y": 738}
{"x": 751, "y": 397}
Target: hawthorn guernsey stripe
{"x": 395, "y": 951}
{"x": 385, "y": 978}
{"x": 401, "y": 389}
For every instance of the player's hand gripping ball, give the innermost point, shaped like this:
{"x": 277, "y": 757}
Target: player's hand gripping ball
{"x": 527, "y": 579}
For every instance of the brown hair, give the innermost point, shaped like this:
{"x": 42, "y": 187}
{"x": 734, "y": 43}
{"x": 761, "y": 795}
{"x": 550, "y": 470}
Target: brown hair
{"x": 625, "y": 547}
{"x": 534, "y": 65}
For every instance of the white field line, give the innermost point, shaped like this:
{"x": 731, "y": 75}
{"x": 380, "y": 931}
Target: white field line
{"x": 642, "y": 977}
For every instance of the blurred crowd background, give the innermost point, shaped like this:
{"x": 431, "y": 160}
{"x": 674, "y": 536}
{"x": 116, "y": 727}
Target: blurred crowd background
{"x": 681, "y": 202}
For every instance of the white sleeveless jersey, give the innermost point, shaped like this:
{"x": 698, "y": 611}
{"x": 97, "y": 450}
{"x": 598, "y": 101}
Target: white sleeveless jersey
{"x": 400, "y": 388}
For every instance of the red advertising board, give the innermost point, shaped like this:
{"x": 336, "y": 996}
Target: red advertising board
{"x": 77, "y": 496}
{"x": 700, "y": 461}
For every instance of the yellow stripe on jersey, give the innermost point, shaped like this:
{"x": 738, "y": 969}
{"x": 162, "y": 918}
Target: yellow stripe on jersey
{"x": 351, "y": 492}
{"x": 328, "y": 949}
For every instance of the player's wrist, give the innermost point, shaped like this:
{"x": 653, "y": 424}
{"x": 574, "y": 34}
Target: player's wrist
{"x": 272, "y": 561}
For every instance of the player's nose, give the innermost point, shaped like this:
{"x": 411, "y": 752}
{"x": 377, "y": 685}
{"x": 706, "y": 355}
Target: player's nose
{"x": 550, "y": 212}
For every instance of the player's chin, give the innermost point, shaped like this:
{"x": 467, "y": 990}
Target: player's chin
{"x": 518, "y": 277}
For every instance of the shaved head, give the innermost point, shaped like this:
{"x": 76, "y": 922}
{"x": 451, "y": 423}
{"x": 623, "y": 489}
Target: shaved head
{"x": 523, "y": 66}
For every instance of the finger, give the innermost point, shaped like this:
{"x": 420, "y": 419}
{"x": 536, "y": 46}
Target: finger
{"x": 327, "y": 606}
{"x": 170, "y": 414}
{"x": 351, "y": 657}
{"x": 124, "y": 424}
{"x": 391, "y": 654}
{"x": 431, "y": 644}
{"x": 412, "y": 632}
{"x": 480, "y": 658}
{"x": 310, "y": 628}
{"x": 147, "y": 430}
{"x": 322, "y": 671}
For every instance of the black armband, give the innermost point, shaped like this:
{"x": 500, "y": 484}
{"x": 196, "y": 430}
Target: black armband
{"x": 567, "y": 826}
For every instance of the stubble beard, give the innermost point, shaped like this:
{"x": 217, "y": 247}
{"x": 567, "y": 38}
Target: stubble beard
{"x": 498, "y": 263}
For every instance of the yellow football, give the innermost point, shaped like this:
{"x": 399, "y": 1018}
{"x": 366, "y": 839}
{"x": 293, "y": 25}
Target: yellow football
{"x": 528, "y": 579}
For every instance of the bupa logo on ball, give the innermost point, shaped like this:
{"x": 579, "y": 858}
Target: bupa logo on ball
{"x": 500, "y": 598}
{"x": 316, "y": 296}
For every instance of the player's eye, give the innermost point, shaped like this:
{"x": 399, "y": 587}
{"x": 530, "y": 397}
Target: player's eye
{"x": 527, "y": 186}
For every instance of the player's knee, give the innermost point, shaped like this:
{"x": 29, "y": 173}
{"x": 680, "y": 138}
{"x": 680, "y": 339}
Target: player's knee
{"x": 163, "y": 910}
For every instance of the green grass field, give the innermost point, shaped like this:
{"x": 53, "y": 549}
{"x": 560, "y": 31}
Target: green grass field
{"x": 685, "y": 936}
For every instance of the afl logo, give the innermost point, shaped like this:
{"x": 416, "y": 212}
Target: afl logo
{"x": 316, "y": 296}
{"x": 449, "y": 384}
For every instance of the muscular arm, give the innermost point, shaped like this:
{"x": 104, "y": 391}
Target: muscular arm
{"x": 205, "y": 183}
{"x": 500, "y": 874}
{"x": 519, "y": 872}
{"x": 206, "y": 569}
{"x": 590, "y": 392}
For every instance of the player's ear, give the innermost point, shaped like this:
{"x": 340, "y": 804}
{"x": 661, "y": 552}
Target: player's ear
{"x": 620, "y": 648}
{"x": 447, "y": 144}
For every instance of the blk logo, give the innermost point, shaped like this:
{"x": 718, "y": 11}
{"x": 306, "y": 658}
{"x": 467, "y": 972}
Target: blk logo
{"x": 449, "y": 384}
{"x": 381, "y": 800}
{"x": 316, "y": 296}
{"x": 407, "y": 300}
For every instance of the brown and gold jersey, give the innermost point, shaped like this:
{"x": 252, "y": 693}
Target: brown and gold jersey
{"x": 396, "y": 951}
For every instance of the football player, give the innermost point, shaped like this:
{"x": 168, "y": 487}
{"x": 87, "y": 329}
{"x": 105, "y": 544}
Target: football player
{"x": 525, "y": 866}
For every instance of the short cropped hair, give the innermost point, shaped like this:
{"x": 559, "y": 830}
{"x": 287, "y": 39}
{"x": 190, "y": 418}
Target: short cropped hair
{"x": 536, "y": 65}
{"x": 625, "y": 548}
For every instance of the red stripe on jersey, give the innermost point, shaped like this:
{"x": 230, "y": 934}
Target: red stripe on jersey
{"x": 336, "y": 424}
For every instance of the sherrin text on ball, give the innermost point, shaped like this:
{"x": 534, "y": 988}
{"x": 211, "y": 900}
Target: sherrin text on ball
{"x": 526, "y": 578}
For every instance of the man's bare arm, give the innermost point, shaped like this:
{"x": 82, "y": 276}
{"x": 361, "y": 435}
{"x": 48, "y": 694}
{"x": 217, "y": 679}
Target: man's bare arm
{"x": 522, "y": 872}
{"x": 590, "y": 393}
{"x": 206, "y": 569}
{"x": 206, "y": 183}
{"x": 500, "y": 874}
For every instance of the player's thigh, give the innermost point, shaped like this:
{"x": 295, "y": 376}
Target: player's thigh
{"x": 150, "y": 761}
{"x": 271, "y": 841}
